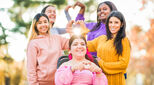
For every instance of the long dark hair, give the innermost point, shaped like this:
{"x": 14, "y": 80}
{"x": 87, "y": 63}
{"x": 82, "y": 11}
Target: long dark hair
{"x": 121, "y": 33}
{"x": 112, "y": 8}
{"x": 44, "y": 9}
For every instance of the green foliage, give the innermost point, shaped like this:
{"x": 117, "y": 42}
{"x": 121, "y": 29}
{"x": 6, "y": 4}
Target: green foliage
{"x": 66, "y": 52}
{"x": 58, "y": 2}
{"x": 3, "y": 36}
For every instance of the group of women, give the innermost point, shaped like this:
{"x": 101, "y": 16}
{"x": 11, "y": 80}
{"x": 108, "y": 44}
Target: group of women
{"x": 106, "y": 41}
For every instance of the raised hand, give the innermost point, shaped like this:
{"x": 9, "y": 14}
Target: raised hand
{"x": 91, "y": 66}
{"x": 77, "y": 66}
{"x": 84, "y": 29}
{"x": 79, "y": 4}
{"x": 67, "y": 7}
{"x": 82, "y": 10}
{"x": 69, "y": 27}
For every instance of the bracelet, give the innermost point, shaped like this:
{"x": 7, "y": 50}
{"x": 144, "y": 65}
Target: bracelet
{"x": 98, "y": 72}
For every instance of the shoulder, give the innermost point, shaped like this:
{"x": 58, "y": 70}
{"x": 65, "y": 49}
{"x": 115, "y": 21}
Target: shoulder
{"x": 67, "y": 63}
{"x": 102, "y": 37}
{"x": 91, "y": 23}
{"x": 53, "y": 28}
{"x": 126, "y": 41}
{"x": 55, "y": 36}
{"x": 33, "y": 42}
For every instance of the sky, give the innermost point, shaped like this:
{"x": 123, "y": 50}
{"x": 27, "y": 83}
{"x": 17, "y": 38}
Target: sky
{"x": 129, "y": 8}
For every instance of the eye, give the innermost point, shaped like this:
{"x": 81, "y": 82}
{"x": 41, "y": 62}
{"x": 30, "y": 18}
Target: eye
{"x": 82, "y": 44}
{"x": 39, "y": 22}
{"x": 45, "y": 21}
{"x": 75, "y": 44}
{"x": 49, "y": 11}
{"x": 54, "y": 11}
{"x": 110, "y": 22}
{"x": 99, "y": 10}
{"x": 116, "y": 22}
{"x": 104, "y": 9}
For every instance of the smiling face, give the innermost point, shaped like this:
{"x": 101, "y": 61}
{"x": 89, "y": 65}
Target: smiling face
{"x": 114, "y": 25}
{"x": 103, "y": 11}
{"x": 78, "y": 49}
{"x": 51, "y": 13}
{"x": 42, "y": 25}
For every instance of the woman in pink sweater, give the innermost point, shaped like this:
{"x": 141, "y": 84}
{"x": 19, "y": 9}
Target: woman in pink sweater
{"x": 81, "y": 68}
{"x": 43, "y": 52}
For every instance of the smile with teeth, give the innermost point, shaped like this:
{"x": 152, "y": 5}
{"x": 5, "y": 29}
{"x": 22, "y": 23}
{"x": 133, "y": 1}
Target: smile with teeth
{"x": 113, "y": 29}
{"x": 44, "y": 28}
{"x": 102, "y": 15}
{"x": 79, "y": 50}
{"x": 52, "y": 17}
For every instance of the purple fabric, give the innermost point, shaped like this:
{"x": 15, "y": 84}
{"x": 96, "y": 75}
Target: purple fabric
{"x": 94, "y": 34}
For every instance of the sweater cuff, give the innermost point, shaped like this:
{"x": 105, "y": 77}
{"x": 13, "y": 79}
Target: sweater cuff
{"x": 100, "y": 62}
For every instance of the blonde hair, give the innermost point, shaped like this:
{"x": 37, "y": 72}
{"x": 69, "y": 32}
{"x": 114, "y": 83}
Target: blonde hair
{"x": 33, "y": 32}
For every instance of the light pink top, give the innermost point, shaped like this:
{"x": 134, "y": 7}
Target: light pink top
{"x": 64, "y": 76}
{"x": 42, "y": 55}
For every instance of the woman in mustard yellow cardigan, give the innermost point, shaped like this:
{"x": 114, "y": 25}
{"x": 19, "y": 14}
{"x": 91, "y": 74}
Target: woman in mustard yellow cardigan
{"x": 113, "y": 49}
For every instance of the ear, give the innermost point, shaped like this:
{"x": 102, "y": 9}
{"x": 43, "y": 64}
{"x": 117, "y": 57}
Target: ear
{"x": 70, "y": 51}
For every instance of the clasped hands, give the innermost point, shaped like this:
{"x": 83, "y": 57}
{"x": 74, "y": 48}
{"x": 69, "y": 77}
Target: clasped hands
{"x": 86, "y": 65}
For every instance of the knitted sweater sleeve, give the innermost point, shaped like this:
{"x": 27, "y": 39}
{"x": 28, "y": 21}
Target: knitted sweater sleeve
{"x": 121, "y": 64}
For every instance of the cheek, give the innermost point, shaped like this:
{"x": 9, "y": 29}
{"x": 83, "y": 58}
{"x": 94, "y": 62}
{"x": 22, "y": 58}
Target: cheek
{"x": 108, "y": 12}
{"x": 47, "y": 14}
{"x": 118, "y": 26}
{"x": 38, "y": 26}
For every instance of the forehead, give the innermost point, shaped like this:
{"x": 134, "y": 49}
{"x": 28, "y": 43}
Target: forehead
{"x": 103, "y": 5}
{"x": 51, "y": 8}
{"x": 78, "y": 40}
{"x": 42, "y": 18}
{"x": 114, "y": 18}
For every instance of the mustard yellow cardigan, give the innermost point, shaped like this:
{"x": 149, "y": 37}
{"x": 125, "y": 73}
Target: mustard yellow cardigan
{"x": 113, "y": 66}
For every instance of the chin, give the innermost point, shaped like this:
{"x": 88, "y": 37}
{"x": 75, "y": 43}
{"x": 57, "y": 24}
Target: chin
{"x": 102, "y": 19}
{"x": 80, "y": 56}
{"x": 52, "y": 21}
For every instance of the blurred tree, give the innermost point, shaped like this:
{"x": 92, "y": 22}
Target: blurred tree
{"x": 20, "y": 7}
{"x": 149, "y": 58}
{"x": 143, "y": 53}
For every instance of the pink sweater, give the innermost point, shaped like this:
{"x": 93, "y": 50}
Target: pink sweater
{"x": 42, "y": 55}
{"x": 64, "y": 76}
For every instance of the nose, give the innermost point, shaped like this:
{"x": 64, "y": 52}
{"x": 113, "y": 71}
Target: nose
{"x": 102, "y": 10}
{"x": 44, "y": 24}
{"x": 53, "y": 13}
{"x": 112, "y": 24}
{"x": 79, "y": 46}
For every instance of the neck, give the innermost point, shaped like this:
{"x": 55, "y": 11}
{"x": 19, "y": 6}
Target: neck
{"x": 51, "y": 25}
{"x": 104, "y": 20}
{"x": 114, "y": 36}
{"x": 44, "y": 34}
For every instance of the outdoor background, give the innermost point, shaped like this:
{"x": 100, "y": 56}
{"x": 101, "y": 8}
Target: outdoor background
{"x": 15, "y": 21}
